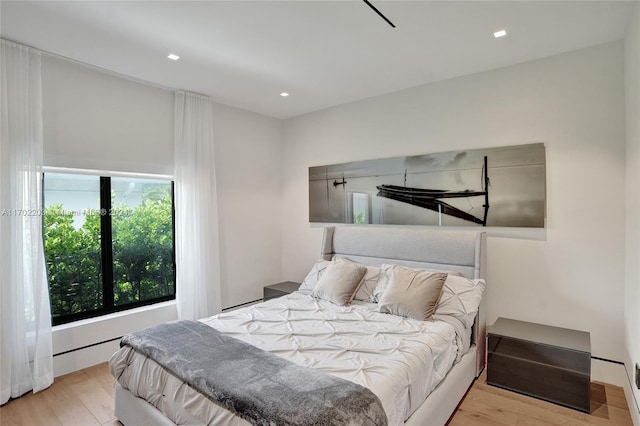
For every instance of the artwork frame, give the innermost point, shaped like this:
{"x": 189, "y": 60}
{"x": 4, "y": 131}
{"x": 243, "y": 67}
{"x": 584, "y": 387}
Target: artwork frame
{"x": 502, "y": 186}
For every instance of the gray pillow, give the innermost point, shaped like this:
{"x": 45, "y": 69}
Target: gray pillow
{"x": 339, "y": 281}
{"x": 412, "y": 293}
{"x": 364, "y": 291}
{"x": 385, "y": 274}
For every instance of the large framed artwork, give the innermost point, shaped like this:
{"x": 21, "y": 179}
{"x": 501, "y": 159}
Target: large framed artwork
{"x": 503, "y": 186}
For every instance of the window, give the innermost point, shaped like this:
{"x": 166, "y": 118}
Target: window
{"x": 109, "y": 243}
{"x": 360, "y": 208}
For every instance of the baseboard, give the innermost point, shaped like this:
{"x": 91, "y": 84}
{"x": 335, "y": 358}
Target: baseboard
{"x": 82, "y": 358}
{"x": 607, "y": 371}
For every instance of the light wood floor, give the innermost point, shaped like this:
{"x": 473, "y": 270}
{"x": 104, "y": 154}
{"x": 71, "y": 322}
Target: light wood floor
{"x": 489, "y": 405}
{"x": 77, "y": 399}
{"x": 86, "y": 398}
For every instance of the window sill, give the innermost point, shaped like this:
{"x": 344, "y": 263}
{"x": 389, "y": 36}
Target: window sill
{"x": 114, "y": 315}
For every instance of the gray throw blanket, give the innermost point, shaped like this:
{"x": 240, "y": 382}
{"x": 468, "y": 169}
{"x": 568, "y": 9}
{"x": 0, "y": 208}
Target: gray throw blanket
{"x": 256, "y": 385}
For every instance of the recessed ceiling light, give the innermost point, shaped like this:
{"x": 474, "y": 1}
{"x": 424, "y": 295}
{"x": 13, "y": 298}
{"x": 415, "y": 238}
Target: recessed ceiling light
{"x": 173, "y": 57}
{"x": 284, "y": 94}
{"x": 500, "y": 33}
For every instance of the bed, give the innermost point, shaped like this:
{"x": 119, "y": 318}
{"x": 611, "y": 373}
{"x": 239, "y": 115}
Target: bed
{"x": 147, "y": 394}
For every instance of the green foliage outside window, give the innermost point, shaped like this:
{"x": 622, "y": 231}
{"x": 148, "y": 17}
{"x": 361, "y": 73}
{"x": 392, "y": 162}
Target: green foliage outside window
{"x": 73, "y": 261}
{"x": 143, "y": 250}
{"x": 142, "y": 240}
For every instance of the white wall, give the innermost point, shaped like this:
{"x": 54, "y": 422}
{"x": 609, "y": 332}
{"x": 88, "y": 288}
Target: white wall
{"x": 632, "y": 279}
{"x": 574, "y": 103}
{"x": 249, "y": 202}
{"x": 94, "y": 120}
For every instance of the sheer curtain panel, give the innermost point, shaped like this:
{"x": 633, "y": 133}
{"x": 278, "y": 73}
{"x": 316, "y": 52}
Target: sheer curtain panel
{"x": 196, "y": 209}
{"x": 26, "y": 360}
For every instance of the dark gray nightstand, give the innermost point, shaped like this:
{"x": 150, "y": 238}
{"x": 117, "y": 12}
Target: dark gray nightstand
{"x": 280, "y": 289}
{"x": 549, "y": 363}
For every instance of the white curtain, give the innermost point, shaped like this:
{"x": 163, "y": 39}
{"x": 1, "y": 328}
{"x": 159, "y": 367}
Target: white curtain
{"x": 196, "y": 205}
{"x": 26, "y": 359}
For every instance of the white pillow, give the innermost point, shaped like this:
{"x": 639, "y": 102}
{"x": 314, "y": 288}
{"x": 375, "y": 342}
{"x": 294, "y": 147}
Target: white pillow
{"x": 461, "y": 299}
{"x": 383, "y": 279}
{"x": 314, "y": 275}
{"x": 368, "y": 284}
{"x": 339, "y": 281}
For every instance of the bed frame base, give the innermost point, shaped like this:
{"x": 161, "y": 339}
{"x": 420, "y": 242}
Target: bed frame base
{"x": 443, "y": 401}
{"x": 132, "y": 411}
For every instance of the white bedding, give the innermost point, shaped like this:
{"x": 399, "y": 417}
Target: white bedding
{"x": 401, "y": 360}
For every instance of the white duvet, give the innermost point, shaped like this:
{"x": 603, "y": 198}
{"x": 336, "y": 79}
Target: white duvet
{"x": 401, "y": 360}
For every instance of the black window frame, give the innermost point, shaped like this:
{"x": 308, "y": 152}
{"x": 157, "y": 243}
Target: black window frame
{"x": 106, "y": 248}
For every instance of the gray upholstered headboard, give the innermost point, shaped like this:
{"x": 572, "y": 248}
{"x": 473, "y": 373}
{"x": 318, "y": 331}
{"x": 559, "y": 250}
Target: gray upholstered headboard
{"x": 459, "y": 251}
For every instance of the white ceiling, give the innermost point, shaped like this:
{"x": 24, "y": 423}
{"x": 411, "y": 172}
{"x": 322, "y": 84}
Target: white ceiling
{"x": 324, "y": 53}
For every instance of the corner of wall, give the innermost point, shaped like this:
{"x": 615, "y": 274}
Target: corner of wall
{"x": 632, "y": 269}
